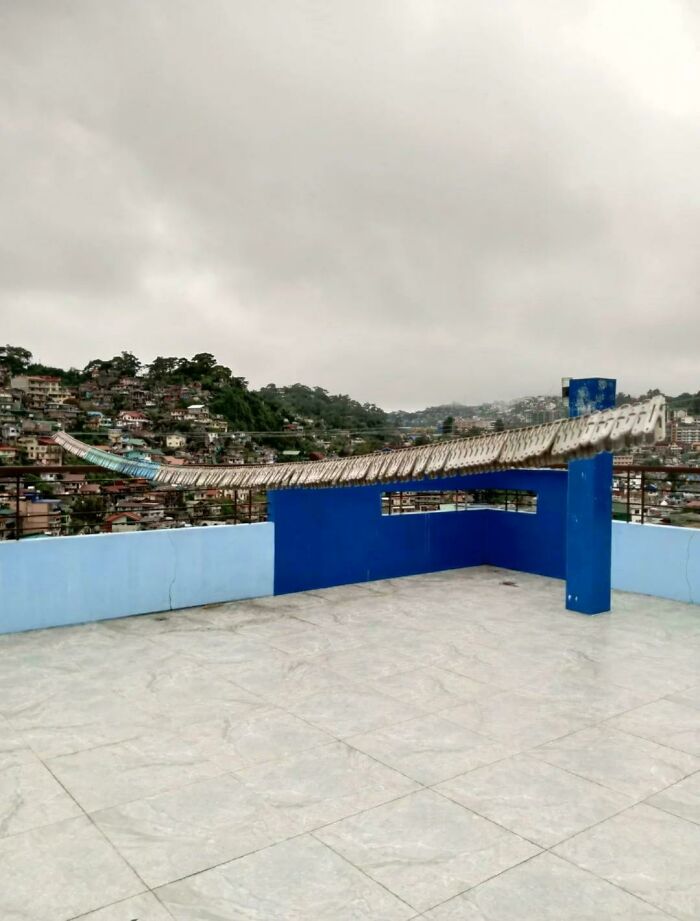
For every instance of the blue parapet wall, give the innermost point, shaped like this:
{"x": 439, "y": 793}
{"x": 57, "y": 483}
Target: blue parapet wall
{"x": 322, "y": 538}
{"x": 656, "y": 560}
{"x": 326, "y": 537}
{"x": 54, "y": 581}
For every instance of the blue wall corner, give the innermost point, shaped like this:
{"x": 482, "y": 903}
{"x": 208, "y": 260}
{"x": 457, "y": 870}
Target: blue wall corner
{"x": 336, "y": 536}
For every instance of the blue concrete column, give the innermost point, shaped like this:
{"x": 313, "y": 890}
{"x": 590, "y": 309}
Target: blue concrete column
{"x": 589, "y": 509}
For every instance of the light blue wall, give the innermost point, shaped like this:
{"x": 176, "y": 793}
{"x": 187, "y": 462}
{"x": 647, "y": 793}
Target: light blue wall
{"x": 52, "y": 581}
{"x": 656, "y": 560}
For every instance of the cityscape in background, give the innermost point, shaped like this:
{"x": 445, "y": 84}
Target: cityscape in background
{"x": 195, "y": 411}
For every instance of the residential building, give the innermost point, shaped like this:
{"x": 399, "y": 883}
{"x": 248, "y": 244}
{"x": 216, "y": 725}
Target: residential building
{"x": 39, "y": 389}
{"x": 150, "y": 513}
{"x": 40, "y": 450}
{"x": 462, "y": 425}
{"x": 198, "y": 411}
{"x": 688, "y": 431}
{"x": 175, "y": 440}
{"x": 132, "y": 419}
{"x": 9, "y": 431}
{"x": 217, "y": 424}
{"x": 32, "y": 426}
{"x": 122, "y": 522}
{"x": 39, "y": 516}
{"x": 623, "y": 460}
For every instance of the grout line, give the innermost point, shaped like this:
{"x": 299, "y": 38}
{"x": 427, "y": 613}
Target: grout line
{"x": 189, "y": 783}
{"x": 376, "y": 882}
{"x": 636, "y": 735}
{"x": 540, "y": 847}
{"x": 87, "y": 914}
{"x": 99, "y": 830}
{"x": 618, "y": 886}
{"x": 223, "y": 863}
{"x": 484, "y": 881}
{"x": 647, "y": 800}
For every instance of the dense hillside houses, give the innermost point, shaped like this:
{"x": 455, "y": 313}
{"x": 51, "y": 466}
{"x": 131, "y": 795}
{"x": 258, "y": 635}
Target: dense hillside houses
{"x": 175, "y": 411}
{"x": 196, "y": 411}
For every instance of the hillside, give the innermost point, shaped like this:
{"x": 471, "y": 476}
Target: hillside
{"x": 273, "y": 408}
{"x": 203, "y": 379}
{"x": 336, "y": 412}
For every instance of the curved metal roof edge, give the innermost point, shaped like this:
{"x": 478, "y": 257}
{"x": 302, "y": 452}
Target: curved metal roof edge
{"x": 534, "y": 446}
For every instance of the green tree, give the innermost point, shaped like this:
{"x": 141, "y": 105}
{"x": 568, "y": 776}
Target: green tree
{"x": 15, "y": 358}
{"x": 197, "y": 367}
{"x": 97, "y": 364}
{"x": 126, "y": 364}
{"x": 244, "y": 410}
{"x": 332, "y": 411}
{"x": 87, "y": 513}
{"x": 448, "y": 425}
{"x": 163, "y": 367}
{"x": 499, "y": 425}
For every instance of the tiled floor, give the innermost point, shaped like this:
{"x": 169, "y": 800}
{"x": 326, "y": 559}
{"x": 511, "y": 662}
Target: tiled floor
{"x": 449, "y": 747}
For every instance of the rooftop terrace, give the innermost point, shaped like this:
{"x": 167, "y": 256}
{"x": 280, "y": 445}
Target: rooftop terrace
{"x": 452, "y": 746}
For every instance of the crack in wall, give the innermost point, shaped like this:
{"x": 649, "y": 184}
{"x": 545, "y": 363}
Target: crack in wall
{"x": 174, "y": 575}
{"x": 687, "y": 568}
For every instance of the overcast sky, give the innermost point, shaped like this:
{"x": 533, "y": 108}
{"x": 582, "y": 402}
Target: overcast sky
{"x": 409, "y": 201}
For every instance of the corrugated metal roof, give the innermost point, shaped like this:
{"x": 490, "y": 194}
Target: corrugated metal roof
{"x": 536, "y": 446}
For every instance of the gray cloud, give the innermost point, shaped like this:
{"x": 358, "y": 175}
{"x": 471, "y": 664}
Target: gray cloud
{"x": 412, "y": 202}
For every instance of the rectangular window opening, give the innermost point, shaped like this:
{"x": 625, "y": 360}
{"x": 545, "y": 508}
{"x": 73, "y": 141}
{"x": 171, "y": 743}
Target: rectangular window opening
{"x": 421, "y": 502}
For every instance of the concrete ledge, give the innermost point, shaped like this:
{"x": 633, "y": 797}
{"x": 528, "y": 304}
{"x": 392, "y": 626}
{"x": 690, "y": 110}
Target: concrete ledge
{"x": 656, "y": 560}
{"x": 56, "y": 581}
{"x": 53, "y": 581}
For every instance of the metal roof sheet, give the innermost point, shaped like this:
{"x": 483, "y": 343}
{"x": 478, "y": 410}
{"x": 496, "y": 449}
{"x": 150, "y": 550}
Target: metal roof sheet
{"x": 536, "y": 446}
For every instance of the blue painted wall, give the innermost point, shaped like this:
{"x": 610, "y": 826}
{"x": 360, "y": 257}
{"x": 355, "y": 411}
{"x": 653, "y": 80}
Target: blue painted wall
{"x": 656, "y": 560}
{"x": 66, "y": 580}
{"x": 326, "y": 537}
{"x": 530, "y": 543}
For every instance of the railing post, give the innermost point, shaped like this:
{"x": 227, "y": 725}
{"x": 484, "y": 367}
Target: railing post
{"x": 589, "y": 509}
{"x": 18, "y": 520}
{"x": 642, "y": 485}
{"x": 628, "y": 496}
